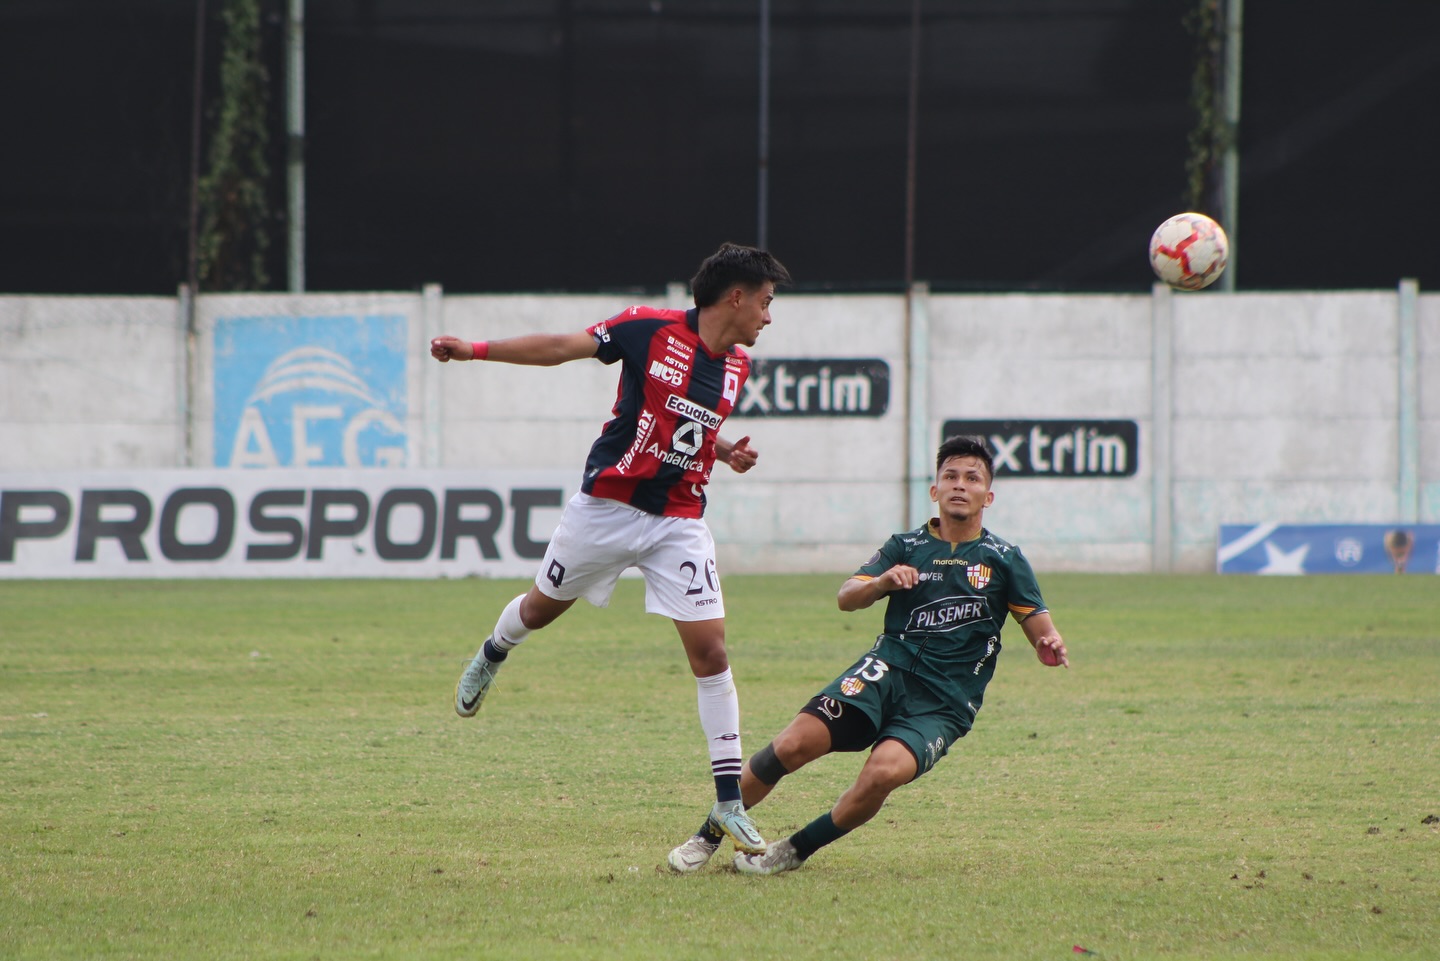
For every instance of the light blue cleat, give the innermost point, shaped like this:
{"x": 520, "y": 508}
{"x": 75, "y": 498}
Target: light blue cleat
{"x": 474, "y": 684}
{"x": 730, "y": 818}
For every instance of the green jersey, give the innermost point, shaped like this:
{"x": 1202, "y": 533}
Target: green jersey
{"x": 946, "y": 629}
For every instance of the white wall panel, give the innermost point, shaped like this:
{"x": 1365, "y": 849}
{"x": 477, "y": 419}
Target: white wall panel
{"x": 1428, "y": 338}
{"x": 88, "y": 382}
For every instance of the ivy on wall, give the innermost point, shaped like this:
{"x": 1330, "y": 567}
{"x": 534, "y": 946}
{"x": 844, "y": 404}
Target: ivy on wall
{"x": 1210, "y": 136}
{"x": 234, "y": 190}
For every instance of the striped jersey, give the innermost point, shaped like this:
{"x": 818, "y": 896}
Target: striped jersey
{"x": 948, "y": 625}
{"x": 657, "y": 450}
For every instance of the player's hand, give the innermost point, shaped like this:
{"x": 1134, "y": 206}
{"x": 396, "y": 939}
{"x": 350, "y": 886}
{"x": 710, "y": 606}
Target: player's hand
{"x": 901, "y": 577}
{"x": 1050, "y": 649}
{"x": 446, "y": 348}
{"x": 742, "y": 456}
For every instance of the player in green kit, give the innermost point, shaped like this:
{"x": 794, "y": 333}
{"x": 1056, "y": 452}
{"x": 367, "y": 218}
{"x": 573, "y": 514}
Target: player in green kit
{"x": 951, "y": 585}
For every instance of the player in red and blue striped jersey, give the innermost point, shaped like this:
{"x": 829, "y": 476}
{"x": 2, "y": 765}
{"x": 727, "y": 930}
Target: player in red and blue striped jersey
{"x": 657, "y": 450}
{"x": 642, "y": 498}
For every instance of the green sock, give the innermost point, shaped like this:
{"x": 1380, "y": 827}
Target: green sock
{"x": 815, "y": 835}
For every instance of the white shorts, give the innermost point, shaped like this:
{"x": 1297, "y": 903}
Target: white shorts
{"x": 598, "y": 539}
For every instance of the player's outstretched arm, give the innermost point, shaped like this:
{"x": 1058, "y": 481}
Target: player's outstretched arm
{"x": 739, "y": 455}
{"x": 1049, "y": 645}
{"x": 537, "y": 350}
{"x": 860, "y": 592}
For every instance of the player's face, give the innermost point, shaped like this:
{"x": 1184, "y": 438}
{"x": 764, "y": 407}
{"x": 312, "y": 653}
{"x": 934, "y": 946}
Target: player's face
{"x": 752, "y": 311}
{"x": 962, "y": 488}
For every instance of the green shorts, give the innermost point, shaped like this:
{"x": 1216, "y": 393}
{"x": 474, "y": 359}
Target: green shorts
{"x": 898, "y": 705}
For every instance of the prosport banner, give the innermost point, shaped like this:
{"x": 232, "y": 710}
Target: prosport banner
{"x": 278, "y": 523}
{"x": 1329, "y": 549}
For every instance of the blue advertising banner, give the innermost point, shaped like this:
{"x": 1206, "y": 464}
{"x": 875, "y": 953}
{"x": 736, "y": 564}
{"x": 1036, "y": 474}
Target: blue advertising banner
{"x": 310, "y": 391}
{"x": 1329, "y": 549}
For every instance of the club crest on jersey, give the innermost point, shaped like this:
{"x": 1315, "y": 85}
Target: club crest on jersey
{"x": 979, "y": 575}
{"x": 851, "y": 686}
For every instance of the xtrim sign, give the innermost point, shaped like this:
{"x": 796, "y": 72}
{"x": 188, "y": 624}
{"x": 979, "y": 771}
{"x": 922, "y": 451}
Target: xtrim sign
{"x": 278, "y": 523}
{"x": 791, "y": 387}
{"x": 1056, "y": 448}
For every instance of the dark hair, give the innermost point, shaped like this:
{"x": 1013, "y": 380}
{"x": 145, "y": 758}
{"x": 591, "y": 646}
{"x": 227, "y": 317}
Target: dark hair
{"x": 964, "y": 446}
{"x": 732, "y": 265}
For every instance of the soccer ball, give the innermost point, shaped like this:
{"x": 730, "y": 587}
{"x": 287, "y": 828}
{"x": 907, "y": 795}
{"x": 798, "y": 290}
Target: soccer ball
{"x": 1189, "y": 251}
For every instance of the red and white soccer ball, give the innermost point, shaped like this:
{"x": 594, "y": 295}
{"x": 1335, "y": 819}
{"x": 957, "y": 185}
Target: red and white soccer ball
{"x": 1189, "y": 251}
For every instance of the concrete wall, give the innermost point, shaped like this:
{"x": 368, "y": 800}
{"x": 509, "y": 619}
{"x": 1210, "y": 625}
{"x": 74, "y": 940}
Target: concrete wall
{"x": 1034, "y": 357}
{"x": 1288, "y": 407}
{"x": 91, "y": 382}
{"x": 1301, "y": 408}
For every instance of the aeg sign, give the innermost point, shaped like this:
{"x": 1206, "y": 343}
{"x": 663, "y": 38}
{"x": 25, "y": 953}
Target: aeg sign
{"x": 1056, "y": 448}
{"x": 326, "y": 391}
{"x": 275, "y": 523}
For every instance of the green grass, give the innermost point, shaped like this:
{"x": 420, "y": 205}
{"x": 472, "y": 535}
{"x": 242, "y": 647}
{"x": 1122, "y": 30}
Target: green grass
{"x": 1233, "y": 768}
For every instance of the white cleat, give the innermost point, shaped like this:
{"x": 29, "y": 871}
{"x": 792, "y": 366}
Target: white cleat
{"x": 693, "y": 855}
{"x": 781, "y": 856}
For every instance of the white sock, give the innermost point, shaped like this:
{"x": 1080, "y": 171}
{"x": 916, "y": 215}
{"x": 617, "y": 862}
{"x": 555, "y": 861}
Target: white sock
{"x": 720, "y": 719}
{"x": 509, "y": 629}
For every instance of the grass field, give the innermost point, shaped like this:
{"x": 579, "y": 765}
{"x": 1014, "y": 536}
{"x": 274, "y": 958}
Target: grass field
{"x": 1233, "y": 768}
